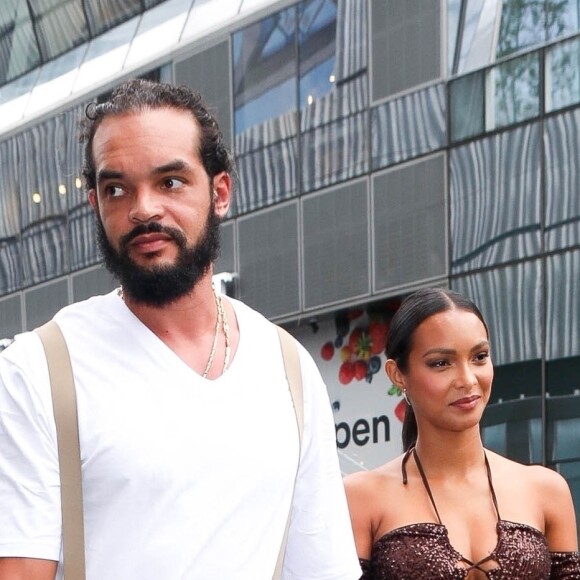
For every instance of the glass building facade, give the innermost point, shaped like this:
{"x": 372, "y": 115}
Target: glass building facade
{"x": 382, "y": 146}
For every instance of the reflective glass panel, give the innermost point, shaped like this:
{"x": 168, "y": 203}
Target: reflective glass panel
{"x": 333, "y": 91}
{"x": 335, "y": 152}
{"x": 522, "y": 25}
{"x": 265, "y": 108}
{"x": 453, "y": 14}
{"x": 494, "y": 187}
{"x": 562, "y": 171}
{"x": 563, "y": 17}
{"x": 18, "y": 49}
{"x": 41, "y": 168}
{"x": 104, "y": 14}
{"x": 467, "y": 105}
{"x": 9, "y": 219}
{"x": 316, "y": 49}
{"x": 60, "y": 25}
{"x": 563, "y": 75}
{"x": 409, "y": 126}
{"x": 478, "y": 35}
{"x": 265, "y": 73}
{"x": 515, "y": 86}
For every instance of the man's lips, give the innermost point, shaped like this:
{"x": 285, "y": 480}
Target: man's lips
{"x": 149, "y": 242}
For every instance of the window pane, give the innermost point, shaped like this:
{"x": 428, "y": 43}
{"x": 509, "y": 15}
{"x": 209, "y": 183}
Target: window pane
{"x": 60, "y": 25}
{"x": 522, "y": 25}
{"x": 18, "y": 49}
{"x": 333, "y": 91}
{"x": 494, "y": 187}
{"x": 265, "y": 109}
{"x": 41, "y": 152}
{"x": 516, "y": 88}
{"x": 478, "y": 35}
{"x": 335, "y": 152}
{"x": 562, "y": 205}
{"x": 408, "y": 127}
{"x": 563, "y": 75}
{"x": 563, "y": 17}
{"x": 467, "y": 98}
{"x": 9, "y": 219}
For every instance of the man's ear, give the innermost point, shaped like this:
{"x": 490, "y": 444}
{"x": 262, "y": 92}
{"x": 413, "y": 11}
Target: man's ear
{"x": 394, "y": 373}
{"x": 222, "y": 193}
{"x": 93, "y": 199}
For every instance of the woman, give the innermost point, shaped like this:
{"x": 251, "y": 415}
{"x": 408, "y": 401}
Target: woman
{"x": 448, "y": 508}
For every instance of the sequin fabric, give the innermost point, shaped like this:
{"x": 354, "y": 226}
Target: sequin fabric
{"x": 423, "y": 551}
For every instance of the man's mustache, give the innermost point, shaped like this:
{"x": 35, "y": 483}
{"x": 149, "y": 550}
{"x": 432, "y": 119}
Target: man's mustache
{"x": 153, "y": 228}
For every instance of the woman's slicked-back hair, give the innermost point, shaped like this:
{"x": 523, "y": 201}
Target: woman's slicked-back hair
{"x": 139, "y": 95}
{"x": 415, "y": 309}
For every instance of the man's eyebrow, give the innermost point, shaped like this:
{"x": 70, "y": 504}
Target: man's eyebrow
{"x": 177, "y": 165}
{"x": 108, "y": 174}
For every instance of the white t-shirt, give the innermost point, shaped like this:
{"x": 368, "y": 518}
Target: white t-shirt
{"x": 184, "y": 478}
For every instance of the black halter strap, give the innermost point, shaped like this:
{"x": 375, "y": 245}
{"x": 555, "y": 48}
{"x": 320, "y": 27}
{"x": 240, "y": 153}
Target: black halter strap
{"x": 426, "y": 482}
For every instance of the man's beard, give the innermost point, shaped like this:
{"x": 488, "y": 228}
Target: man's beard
{"x": 161, "y": 285}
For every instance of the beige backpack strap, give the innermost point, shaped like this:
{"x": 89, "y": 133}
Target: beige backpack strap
{"x": 294, "y": 376}
{"x": 69, "y": 457}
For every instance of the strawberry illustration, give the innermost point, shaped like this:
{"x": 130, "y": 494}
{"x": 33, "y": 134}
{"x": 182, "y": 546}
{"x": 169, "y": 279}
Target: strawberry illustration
{"x": 359, "y": 343}
{"x": 345, "y": 354}
{"x": 378, "y": 330}
{"x": 346, "y": 373}
{"x": 360, "y": 370}
{"x": 327, "y": 351}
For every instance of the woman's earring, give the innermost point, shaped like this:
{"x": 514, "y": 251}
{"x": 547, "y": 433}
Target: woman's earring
{"x": 406, "y": 398}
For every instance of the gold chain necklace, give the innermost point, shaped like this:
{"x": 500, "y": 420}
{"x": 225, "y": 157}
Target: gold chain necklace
{"x": 222, "y": 321}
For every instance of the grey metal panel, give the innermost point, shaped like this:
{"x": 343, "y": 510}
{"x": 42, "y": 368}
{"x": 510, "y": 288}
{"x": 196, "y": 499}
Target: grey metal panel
{"x": 209, "y": 73}
{"x": 268, "y": 254}
{"x": 227, "y": 259}
{"x": 10, "y": 316}
{"x": 43, "y": 302}
{"x": 91, "y": 283}
{"x": 405, "y": 45}
{"x": 336, "y": 232}
{"x": 409, "y": 224}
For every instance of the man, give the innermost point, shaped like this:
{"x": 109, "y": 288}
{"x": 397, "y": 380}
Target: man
{"x": 188, "y": 435}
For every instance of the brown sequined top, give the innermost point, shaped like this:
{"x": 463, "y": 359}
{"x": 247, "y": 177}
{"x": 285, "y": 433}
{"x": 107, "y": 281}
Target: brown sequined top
{"x": 423, "y": 551}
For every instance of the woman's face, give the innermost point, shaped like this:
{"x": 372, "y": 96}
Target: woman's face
{"x": 449, "y": 373}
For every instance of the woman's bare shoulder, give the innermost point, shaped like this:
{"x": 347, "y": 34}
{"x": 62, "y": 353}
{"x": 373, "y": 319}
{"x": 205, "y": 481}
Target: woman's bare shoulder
{"x": 543, "y": 479}
{"x": 369, "y": 482}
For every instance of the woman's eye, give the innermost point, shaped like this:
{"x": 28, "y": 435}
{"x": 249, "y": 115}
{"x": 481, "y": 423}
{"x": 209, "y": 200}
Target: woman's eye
{"x": 482, "y": 356}
{"x": 437, "y": 364}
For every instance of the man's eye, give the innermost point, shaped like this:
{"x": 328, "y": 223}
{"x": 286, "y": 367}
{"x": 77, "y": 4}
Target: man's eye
{"x": 172, "y": 183}
{"x": 114, "y": 191}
